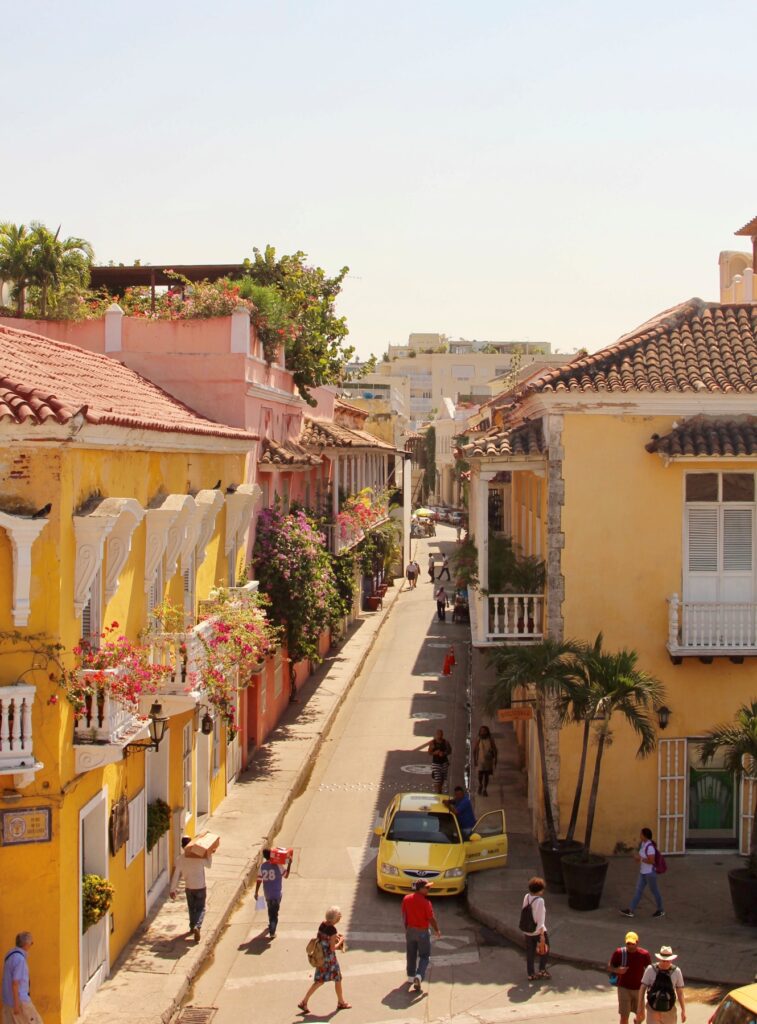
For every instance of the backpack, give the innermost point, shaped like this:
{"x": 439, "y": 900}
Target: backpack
{"x": 613, "y": 977}
{"x": 662, "y": 995}
{"x": 527, "y": 922}
{"x": 314, "y": 950}
{"x": 660, "y": 864}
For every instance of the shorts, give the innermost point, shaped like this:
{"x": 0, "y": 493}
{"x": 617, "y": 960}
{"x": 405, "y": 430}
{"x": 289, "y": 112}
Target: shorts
{"x": 662, "y": 1016}
{"x": 28, "y": 1014}
{"x": 628, "y": 1001}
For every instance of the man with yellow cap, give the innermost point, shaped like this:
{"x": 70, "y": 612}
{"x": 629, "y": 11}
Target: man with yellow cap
{"x": 628, "y": 964}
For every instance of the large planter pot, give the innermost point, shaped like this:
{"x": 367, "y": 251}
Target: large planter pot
{"x": 551, "y": 861}
{"x": 584, "y": 880}
{"x": 743, "y": 887}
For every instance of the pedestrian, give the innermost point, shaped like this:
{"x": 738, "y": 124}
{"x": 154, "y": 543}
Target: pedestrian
{"x": 628, "y": 964}
{"x": 534, "y": 929}
{"x": 485, "y": 758}
{"x": 431, "y": 568}
{"x": 192, "y": 870}
{"x": 462, "y": 808}
{"x": 458, "y": 532}
{"x": 418, "y": 915}
{"x": 411, "y": 573}
{"x": 271, "y": 875}
{"x": 330, "y": 941}
{"x": 661, "y": 984}
{"x": 647, "y": 875}
{"x": 444, "y": 568}
{"x": 441, "y": 603}
{"x": 439, "y": 748}
{"x": 18, "y": 1007}
{"x": 417, "y": 574}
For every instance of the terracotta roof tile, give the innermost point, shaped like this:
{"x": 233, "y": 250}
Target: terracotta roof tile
{"x": 326, "y": 434}
{"x": 705, "y": 436}
{"x": 695, "y": 347}
{"x": 44, "y": 380}
{"x": 287, "y": 453}
{"x": 522, "y": 439}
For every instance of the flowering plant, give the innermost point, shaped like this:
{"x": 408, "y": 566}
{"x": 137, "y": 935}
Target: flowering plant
{"x": 361, "y": 512}
{"x": 96, "y": 899}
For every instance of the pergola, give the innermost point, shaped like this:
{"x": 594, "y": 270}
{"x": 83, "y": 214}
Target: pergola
{"x": 116, "y": 279}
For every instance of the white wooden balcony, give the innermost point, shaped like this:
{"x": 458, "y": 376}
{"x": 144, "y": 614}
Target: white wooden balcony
{"x": 343, "y": 536}
{"x": 704, "y": 629}
{"x": 506, "y": 618}
{"x": 184, "y": 654}
{"x": 106, "y": 723}
{"x": 16, "y": 734}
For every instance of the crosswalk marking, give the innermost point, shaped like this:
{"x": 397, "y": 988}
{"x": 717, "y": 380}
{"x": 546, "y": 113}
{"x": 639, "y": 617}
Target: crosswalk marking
{"x": 392, "y": 938}
{"x": 353, "y": 971}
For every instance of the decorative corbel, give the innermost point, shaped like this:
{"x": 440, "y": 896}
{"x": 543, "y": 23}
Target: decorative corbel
{"x": 239, "y": 507}
{"x": 158, "y": 522}
{"x": 211, "y": 503}
{"x": 184, "y": 506}
{"x": 22, "y": 531}
{"x": 90, "y": 532}
{"x": 118, "y": 545}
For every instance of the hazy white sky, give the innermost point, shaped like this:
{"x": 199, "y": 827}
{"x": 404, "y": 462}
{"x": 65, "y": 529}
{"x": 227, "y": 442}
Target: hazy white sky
{"x": 556, "y": 171}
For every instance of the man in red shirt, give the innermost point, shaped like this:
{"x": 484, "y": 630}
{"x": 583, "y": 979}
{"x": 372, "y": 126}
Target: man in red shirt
{"x": 418, "y": 915}
{"x": 629, "y": 963}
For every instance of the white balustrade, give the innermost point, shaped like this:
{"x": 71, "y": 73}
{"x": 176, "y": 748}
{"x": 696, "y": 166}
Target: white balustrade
{"x": 703, "y": 626}
{"x": 105, "y": 718}
{"x": 16, "y": 740}
{"x": 184, "y": 653}
{"x": 515, "y": 617}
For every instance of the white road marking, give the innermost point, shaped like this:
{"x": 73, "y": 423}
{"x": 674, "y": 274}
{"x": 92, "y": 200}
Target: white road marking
{"x": 360, "y": 856}
{"x": 515, "y": 1012}
{"x": 349, "y": 971}
{"x": 393, "y": 938}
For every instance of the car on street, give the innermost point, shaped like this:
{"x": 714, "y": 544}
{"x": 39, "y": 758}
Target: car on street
{"x": 419, "y": 837}
{"x": 738, "y": 1007}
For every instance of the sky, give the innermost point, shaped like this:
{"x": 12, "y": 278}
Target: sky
{"x": 551, "y": 171}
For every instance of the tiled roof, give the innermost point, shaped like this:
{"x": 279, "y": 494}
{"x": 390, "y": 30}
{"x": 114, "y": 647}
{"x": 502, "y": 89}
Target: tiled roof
{"x": 287, "y": 453}
{"x": 523, "y": 439}
{"x": 44, "y": 380}
{"x": 750, "y": 228}
{"x": 705, "y": 436}
{"x": 695, "y": 347}
{"x": 326, "y": 434}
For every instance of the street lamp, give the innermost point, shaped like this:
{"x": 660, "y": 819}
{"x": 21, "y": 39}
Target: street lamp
{"x": 158, "y": 723}
{"x": 663, "y": 716}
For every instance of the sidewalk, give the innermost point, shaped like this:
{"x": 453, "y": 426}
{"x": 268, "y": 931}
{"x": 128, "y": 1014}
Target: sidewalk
{"x": 155, "y": 971}
{"x": 699, "y": 925}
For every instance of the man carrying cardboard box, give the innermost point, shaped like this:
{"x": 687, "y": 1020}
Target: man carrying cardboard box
{"x": 192, "y": 869}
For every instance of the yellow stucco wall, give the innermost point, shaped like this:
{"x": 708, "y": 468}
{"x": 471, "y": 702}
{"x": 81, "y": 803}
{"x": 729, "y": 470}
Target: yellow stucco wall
{"x": 623, "y": 526}
{"x": 46, "y": 875}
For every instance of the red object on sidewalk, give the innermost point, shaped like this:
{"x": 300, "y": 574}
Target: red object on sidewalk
{"x": 449, "y": 662}
{"x": 281, "y": 854}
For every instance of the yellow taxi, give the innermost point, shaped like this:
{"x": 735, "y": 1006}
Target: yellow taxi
{"x": 420, "y": 838}
{"x": 738, "y": 1007}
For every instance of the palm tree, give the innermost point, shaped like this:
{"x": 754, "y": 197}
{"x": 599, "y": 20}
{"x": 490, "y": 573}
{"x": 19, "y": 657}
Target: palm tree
{"x": 739, "y": 744}
{"x": 550, "y": 668}
{"x": 617, "y": 685}
{"x": 57, "y": 261}
{"x": 16, "y": 245}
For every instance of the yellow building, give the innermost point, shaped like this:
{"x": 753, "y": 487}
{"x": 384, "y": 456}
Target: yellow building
{"x": 114, "y": 497}
{"x": 632, "y": 473}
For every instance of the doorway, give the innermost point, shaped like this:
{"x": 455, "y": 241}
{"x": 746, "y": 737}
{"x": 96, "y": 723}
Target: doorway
{"x": 203, "y": 776}
{"x": 156, "y": 785}
{"x": 712, "y": 820}
{"x": 93, "y": 859}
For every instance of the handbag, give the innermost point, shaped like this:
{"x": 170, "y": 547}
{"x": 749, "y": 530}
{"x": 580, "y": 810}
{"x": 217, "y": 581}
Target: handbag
{"x": 542, "y": 947}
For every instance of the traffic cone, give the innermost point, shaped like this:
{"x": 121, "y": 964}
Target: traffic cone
{"x": 449, "y": 662}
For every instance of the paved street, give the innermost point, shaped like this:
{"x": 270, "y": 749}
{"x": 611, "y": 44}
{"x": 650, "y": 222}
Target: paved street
{"x": 375, "y": 749}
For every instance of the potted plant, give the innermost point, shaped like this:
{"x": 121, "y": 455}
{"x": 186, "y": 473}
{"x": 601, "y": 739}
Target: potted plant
{"x": 738, "y": 742}
{"x": 158, "y": 822}
{"x": 616, "y": 685}
{"x": 96, "y": 899}
{"x": 549, "y": 667}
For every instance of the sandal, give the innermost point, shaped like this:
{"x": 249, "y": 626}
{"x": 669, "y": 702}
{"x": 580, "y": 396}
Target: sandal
{"x": 533, "y": 977}
{"x": 344, "y": 1006}
{"x": 544, "y": 974}
{"x": 303, "y": 1007}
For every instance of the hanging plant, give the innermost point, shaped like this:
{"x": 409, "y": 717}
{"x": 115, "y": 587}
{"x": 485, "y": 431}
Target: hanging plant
{"x": 96, "y": 899}
{"x": 158, "y": 822}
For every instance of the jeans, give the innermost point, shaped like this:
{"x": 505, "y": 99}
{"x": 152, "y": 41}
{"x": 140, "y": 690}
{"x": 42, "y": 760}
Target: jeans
{"x": 196, "y": 905}
{"x": 532, "y": 941}
{"x": 273, "y": 915}
{"x": 441, "y": 607}
{"x": 418, "y": 945}
{"x": 445, "y": 569}
{"x": 650, "y": 880}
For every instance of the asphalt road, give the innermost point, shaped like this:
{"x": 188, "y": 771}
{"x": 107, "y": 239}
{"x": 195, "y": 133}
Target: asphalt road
{"x": 376, "y": 748}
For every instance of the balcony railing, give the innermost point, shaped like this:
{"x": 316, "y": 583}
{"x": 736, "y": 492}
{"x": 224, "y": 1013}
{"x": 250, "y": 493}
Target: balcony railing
{"x": 105, "y": 718}
{"x": 343, "y": 536}
{"x": 704, "y": 628}
{"x": 184, "y": 654}
{"x": 506, "y": 618}
{"x": 16, "y": 740}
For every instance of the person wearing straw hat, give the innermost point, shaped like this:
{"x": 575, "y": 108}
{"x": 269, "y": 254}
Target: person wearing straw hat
{"x": 661, "y": 986}
{"x": 628, "y": 964}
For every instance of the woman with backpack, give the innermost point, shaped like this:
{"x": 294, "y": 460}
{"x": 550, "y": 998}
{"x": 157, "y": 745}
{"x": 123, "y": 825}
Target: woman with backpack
{"x": 322, "y": 955}
{"x": 662, "y": 985}
{"x": 533, "y": 924}
{"x": 484, "y": 758}
{"x": 651, "y": 864}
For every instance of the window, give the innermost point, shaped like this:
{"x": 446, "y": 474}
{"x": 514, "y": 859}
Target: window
{"x": 186, "y": 760}
{"x": 496, "y": 510}
{"x": 719, "y": 537}
{"x": 137, "y": 826}
{"x": 155, "y": 593}
{"x": 92, "y": 613}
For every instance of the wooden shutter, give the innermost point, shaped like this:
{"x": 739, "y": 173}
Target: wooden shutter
{"x": 738, "y": 534}
{"x": 672, "y": 786}
{"x": 91, "y": 616}
{"x": 702, "y": 554}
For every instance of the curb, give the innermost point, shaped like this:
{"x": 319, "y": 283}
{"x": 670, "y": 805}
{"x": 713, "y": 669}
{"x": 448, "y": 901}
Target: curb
{"x": 299, "y": 781}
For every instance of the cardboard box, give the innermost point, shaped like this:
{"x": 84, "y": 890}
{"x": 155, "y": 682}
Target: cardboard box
{"x": 204, "y": 844}
{"x": 281, "y": 854}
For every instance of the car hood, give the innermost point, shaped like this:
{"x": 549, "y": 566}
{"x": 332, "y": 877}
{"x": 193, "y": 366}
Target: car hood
{"x": 420, "y": 856}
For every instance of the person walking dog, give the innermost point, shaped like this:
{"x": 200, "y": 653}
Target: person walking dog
{"x": 330, "y": 941}
{"x": 192, "y": 870}
{"x": 271, "y": 876}
{"x": 646, "y": 857}
{"x": 627, "y": 964}
{"x": 485, "y": 758}
{"x": 18, "y": 1007}
{"x": 661, "y": 985}
{"x": 418, "y": 915}
{"x": 533, "y": 924}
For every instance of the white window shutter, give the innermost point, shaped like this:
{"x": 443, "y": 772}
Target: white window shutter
{"x": 702, "y": 539}
{"x": 738, "y": 535}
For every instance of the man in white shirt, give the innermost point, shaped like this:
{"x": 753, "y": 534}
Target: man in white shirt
{"x": 192, "y": 870}
{"x": 661, "y": 986}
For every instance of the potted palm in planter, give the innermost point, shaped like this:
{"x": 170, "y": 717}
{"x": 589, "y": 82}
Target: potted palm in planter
{"x": 616, "y": 685}
{"x": 738, "y": 742}
{"x": 549, "y": 667}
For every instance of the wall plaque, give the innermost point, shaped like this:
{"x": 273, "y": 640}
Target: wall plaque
{"x": 26, "y": 825}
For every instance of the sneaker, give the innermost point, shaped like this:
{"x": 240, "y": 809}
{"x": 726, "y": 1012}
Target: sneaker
{"x": 659, "y": 913}
{"x": 627, "y": 913}
{"x": 417, "y": 983}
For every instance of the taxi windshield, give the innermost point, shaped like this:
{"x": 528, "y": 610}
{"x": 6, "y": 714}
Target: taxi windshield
{"x": 424, "y": 827}
{"x": 732, "y": 1012}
